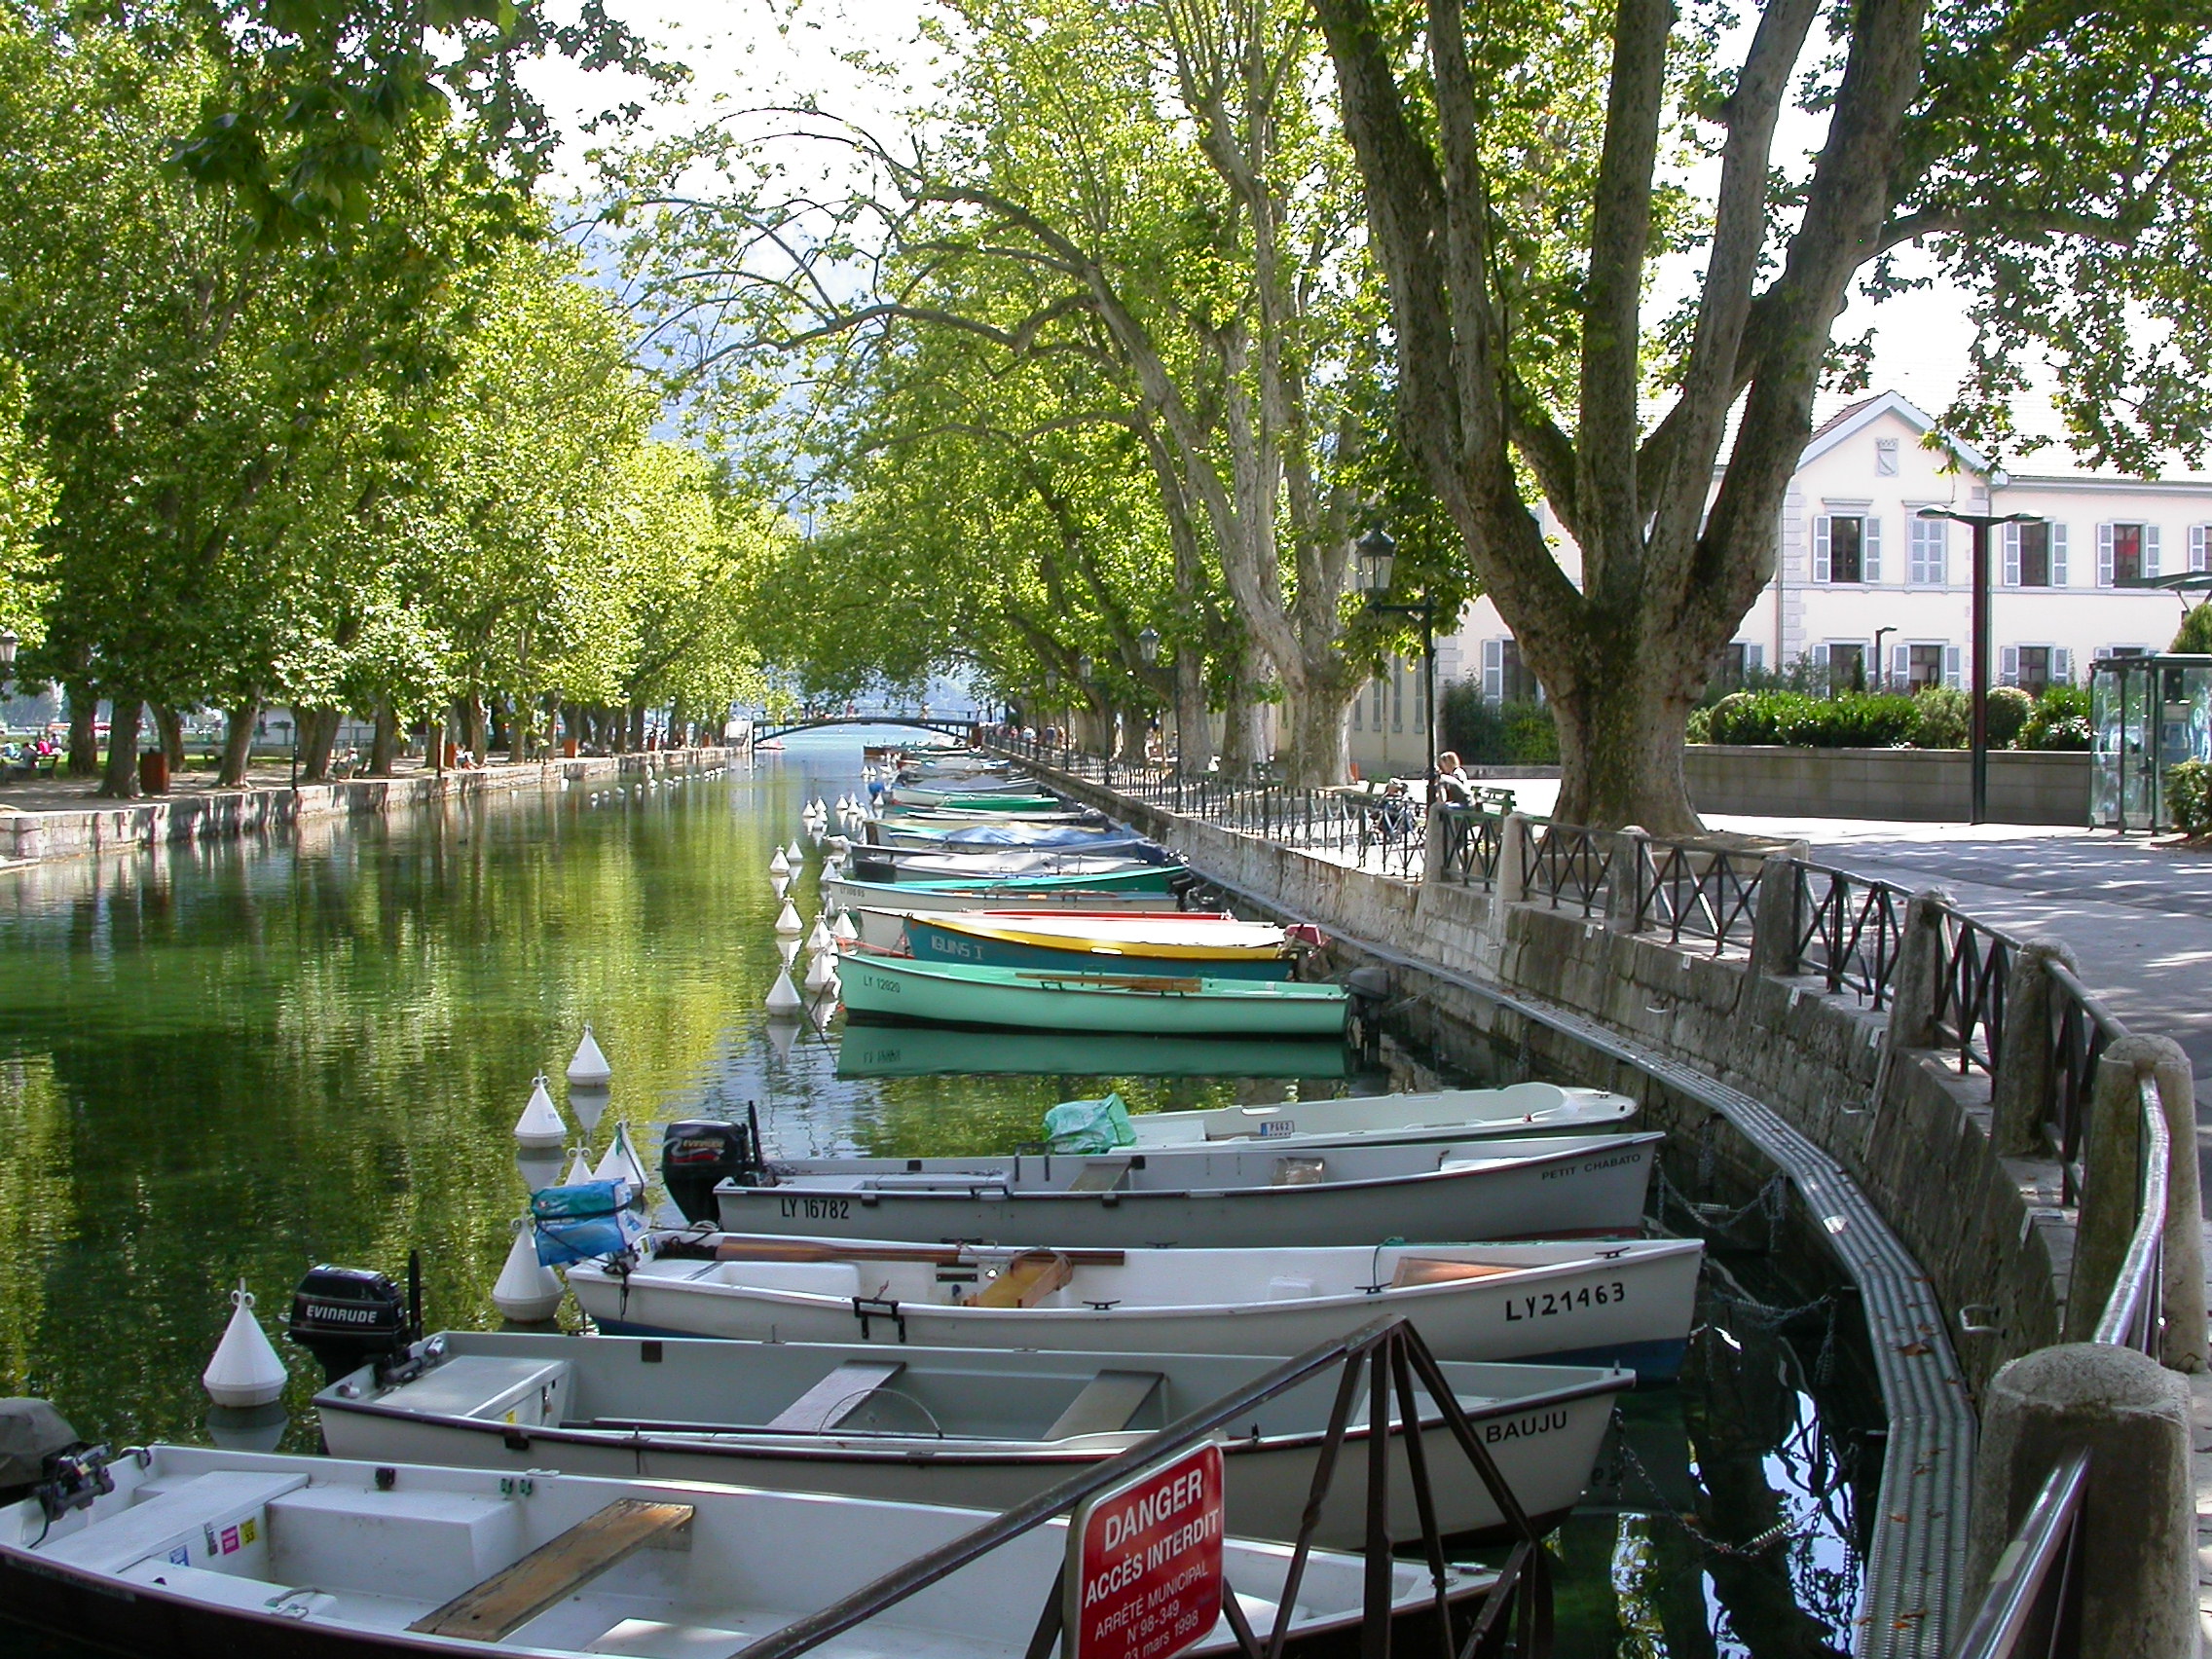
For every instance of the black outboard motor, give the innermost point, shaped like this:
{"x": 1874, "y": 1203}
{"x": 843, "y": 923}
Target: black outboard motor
{"x": 695, "y": 1153}
{"x": 349, "y": 1317}
{"x": 41, "y": 1456}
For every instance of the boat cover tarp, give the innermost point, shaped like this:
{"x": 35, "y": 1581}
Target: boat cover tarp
{"x": 592, "y": 1217}
{"x": 30, "y": 1432}
{"x": 1019, "y": 835}
{"x": 1090, "y": 1125}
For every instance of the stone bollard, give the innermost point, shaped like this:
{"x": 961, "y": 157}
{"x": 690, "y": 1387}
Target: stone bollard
{"x": 1512, "y": 887}
{"x": 1438, "y": 845}
{"x": 1779, "y": 915}
{"x": 1624, "y": 882}
{"x": 2138, "y": 1515}
{"x": 1918, "y": 980}
{"x": 2021, "y": 1088}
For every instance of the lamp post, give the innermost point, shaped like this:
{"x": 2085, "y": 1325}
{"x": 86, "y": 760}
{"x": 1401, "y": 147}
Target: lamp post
{"x": 1978, "y": 524}
{"x": 1377, "y": 561}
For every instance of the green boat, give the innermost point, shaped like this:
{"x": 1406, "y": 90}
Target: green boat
{"x": 934, "y": 800}
{"x": 931, "y": 1050}
{"x": 877, "y": 986}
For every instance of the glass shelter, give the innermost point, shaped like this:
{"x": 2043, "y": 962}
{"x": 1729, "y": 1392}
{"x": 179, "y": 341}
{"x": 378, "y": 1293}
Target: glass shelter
{"x": 2148, "y": 714}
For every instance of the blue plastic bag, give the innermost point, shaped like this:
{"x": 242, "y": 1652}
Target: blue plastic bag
{"x": 1090, "y": 1125}
{"x": 590, "y": 1219}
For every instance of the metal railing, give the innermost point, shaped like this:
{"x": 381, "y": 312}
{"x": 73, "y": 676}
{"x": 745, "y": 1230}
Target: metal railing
{"x": 1474, "y": 838}
{"x": 1516, "y": 1616}
{"x": 1849, "y": 930}
{"x": 1569, "y": 865}
{"x": 1971, "y": 990}
{"x": 1684, "y": 890}
{"x": 2081, "y": 1029}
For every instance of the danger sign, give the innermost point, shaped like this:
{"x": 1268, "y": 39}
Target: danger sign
{"x": 1144, "y": 1562}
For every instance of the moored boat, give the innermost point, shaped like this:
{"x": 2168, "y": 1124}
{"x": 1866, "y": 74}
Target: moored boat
{"x": 1444, "y": 1114}
{"x": 1627, "y": 1302}
{"x": 232, "y": 1555}
{"x": 875, "y": 985}
{"x": 933, "y": 1051}
{"x": 1225, "y": 1194}
{"x": 1165, "y": 947}
{"x": 1147, "y": 889}
{"x": 885, "y": 929}
{"x": 968, "y": 1427}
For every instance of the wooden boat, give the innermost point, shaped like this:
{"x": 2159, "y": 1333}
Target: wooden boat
{"x": 930, "y": 1050}
{"x": 1627, "y": 1302}
{"x": 1146, "y": 889}
{"x": 1446, "y": 1114}
{"x": 1226, "y": 1195}
{"x": 871, "y": 862}
{"x": 875, "y": 985}
{"x": 236, "y": 1555}
{"x": 1242, "y": 950}
{"x": 968, "y": 1427}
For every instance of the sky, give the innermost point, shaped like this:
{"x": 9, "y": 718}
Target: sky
{"x": 737, "y": 47}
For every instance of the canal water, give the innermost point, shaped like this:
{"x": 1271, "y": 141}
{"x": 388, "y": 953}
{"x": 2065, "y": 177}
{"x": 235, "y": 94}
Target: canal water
{"x": 225, "y": 1062}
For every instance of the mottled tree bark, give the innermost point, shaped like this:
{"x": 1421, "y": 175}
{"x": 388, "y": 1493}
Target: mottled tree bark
{"x": 237, "y": 743}
{"x": 83, "y": 730}
{"x": 384, "y": 748}
{"x": 119, "y": 782}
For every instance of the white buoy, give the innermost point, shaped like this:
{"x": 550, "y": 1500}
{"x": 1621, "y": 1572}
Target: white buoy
{"x": 786, "y": 919}
{"x": 843, "y": 931}
{"x": 787, "y": 948}
{"x": 822, "y": 1011}
{"x": 781, "y": 883}
{"x": 579, "y": 1170}
{"x": 783, "y": 997}
{"x": 526, "y": 1291}
{"x": 822, "y": 971}
{"x": 540, "y": 1121}
{"x": 820, "y": 811}
{"x": 796, "y": 855}
{"x": 778, "y": 865}
{"x": 621, "y": 1162}
{"x": 589, "y": 1105}
{"x": 246, "y": 1370}
{"x": 589, "y": 1068}
{"x": 782, "y": 1034}
{"x": 818, "y": 936}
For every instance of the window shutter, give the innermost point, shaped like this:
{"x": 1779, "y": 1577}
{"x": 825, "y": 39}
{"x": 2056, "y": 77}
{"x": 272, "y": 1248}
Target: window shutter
{"x": 2150, "y": 551}
{"x": 2196, "y": 546}
{"x": 1951, "y": 667}
{"x": 1359, "y": 710}
{"x": 1870, "y": 549}
{"x": 1900, "y": 666}
{"x": 2057, "y": 555}
{"x": 2104, "y": 554}
{"x": 2062, "y": 667}
{"x": 1820, "y": 548}
{"x": 1493, "y": 671}
{"x": 2011, "y": 555}
{"x": 2009, "y": 665}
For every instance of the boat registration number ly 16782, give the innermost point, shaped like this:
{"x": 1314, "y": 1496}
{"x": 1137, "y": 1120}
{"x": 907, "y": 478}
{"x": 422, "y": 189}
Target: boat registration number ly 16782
{"x": 817, "y": 1209}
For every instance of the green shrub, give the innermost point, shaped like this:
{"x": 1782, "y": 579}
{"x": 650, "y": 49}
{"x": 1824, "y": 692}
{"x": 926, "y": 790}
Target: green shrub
{"x": 2008, "y": 711}
{"x": 2189, "y": 797}
{"x": 1860, "y": 720}
{"x": 1946, "y": 718}
{"x": 1700, "y": 726}
{"x": 2060, "y": 719}
{"x": 1498, "y": 734}
{"x": 2196, "y": 636}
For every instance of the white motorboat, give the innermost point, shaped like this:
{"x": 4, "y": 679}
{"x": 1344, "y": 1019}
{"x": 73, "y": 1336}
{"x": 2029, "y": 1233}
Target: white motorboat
{"x": 968, "y": 1427}
{"x": 1625, "y": 1304}
{"x": 1444, "y": 1114}
{"x": 1029, "y": 893}
{"x": 1219, "y": 1194}
{"x": 233, "y": 1555}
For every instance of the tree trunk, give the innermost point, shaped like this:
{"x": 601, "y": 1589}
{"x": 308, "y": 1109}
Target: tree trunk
{"x": 170, "y": 724}
{"x": 119, "y": 782}
{"x": 384, "y": 748}
{"x": 1621, "y": 733}
{"x": 1130, "y": 751}
{"x": 84, "y": 733}
{"x": 1193, "y": 730}
{"x": 518, "y": 733}
{"x": 238, "y": 744}
{"x": 1241, "y": 719}
{"x": 637, "y": 737}
{"x": 317, "y": 731}
{"x": 1316, "y": 750}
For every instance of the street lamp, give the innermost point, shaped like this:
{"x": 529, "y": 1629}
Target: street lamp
{"x": 1378, "y": 562}
{"x": 1980, "y": 524}
{"x": 1148, "y": 645}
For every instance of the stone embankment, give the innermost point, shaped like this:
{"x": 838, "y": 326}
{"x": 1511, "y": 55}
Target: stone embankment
{"x": 31, "y": 837}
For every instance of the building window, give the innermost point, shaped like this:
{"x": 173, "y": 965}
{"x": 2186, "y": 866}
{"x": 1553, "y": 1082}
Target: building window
{"x": 2034, "y": 555}
{"x": 1886, "y": 457}
{"x": 1847, "y": 548}
{"x": 2200, "y": 546}
{"x": 2034, "y": 668}
{"x": 1923, "y": 668}
{"x": 1739, "y": 659}
{"x": 2127, "y": 553}
{"x": 1847, "y": 667}
{"x": 1929, "y": 562}
{"x": 1504, "y": 679}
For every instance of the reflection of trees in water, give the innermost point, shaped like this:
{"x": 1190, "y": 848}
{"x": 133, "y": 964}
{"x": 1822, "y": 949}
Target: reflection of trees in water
{"x": 1724, "y": 1516}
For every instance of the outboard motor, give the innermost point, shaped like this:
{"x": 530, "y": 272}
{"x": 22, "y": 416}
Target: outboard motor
{"x": 42, "y": 1456}
{"x": 696, "y": 1152}
{"x": 349, "y": 1317}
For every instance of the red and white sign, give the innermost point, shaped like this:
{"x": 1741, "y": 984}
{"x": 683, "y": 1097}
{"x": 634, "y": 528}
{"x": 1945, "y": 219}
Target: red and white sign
{"x": 1144, "y": 1562}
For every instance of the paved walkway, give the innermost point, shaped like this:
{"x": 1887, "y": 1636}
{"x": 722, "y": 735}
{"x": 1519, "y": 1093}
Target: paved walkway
{"x": 79, "y": 794}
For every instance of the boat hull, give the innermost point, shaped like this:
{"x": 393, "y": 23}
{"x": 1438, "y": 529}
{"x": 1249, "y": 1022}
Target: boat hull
{"x": 879, "y": 987}
{"x": 930, "y": 1050}
{"x": 1144, "y": 889}
{"x": 932, "y": 943}
{"x": 1553, "y": 1316}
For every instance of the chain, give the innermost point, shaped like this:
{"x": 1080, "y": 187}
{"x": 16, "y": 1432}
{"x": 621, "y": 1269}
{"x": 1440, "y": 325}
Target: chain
{"x": 1689, "y": 1523}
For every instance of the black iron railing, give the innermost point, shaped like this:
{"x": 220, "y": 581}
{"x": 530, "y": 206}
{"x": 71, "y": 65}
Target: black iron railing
{"x": 1849, "y": 930}
{"x": 1971, "y": 989}
{"x": 1473, "y": 838}
{"x": 1687, "y": 889}
{"x": 1569, "y": 865}
{"x": 1516, "y": 1615}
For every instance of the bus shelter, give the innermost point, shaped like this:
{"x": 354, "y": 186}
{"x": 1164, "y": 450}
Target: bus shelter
{"x": 2148, "y": 715}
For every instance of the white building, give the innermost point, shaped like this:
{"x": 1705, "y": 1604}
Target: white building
{"x": 1860, "y": 570}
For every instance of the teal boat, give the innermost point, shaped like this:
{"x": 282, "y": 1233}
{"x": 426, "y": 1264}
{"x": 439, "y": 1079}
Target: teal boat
{"x": 878, "y": 987}
{"x": 959, "y": 945}
{"x": 936, "y": 800}
{"x": 931, "y": 1050}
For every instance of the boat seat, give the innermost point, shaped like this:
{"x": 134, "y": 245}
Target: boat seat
{"x": 182, "y": 1515}
{"x": 1028, "y": 1279}
{"x": 837, "y": 1397}
{"x": 1102, "y": 1175}
{"x": 1106, "y": 1404}
{"x": 1412, "y": 1270}
{"x": 506, "y": 1601}
{"x": 222, "y": 1589}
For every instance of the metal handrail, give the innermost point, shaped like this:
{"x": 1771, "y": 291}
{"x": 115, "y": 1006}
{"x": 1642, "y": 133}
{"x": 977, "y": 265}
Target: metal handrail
{"x": 1399, "y": 1359}
{"x": 2021, "y": 1596}
{"x": 2132, "y": 1312}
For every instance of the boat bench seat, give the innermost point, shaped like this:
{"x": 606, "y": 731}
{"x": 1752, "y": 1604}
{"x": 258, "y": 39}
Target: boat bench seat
{"x": 837, "y": 1397}
{"x": 182, "y": 1515}
{"x": 222, "y": 1589}
{"x": 508, "y": 1599}
{"x": 1027, "y": 1280}
{"x": 1106, "y": 1404}
{"x": 1101, "y": 1175}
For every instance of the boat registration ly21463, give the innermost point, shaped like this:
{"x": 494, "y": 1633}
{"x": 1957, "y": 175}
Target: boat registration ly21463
{"x": 1144, "y": 1562}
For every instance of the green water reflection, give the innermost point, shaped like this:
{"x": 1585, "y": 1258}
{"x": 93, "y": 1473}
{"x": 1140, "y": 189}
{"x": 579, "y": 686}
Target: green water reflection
{"x": 236, "y": 1059}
